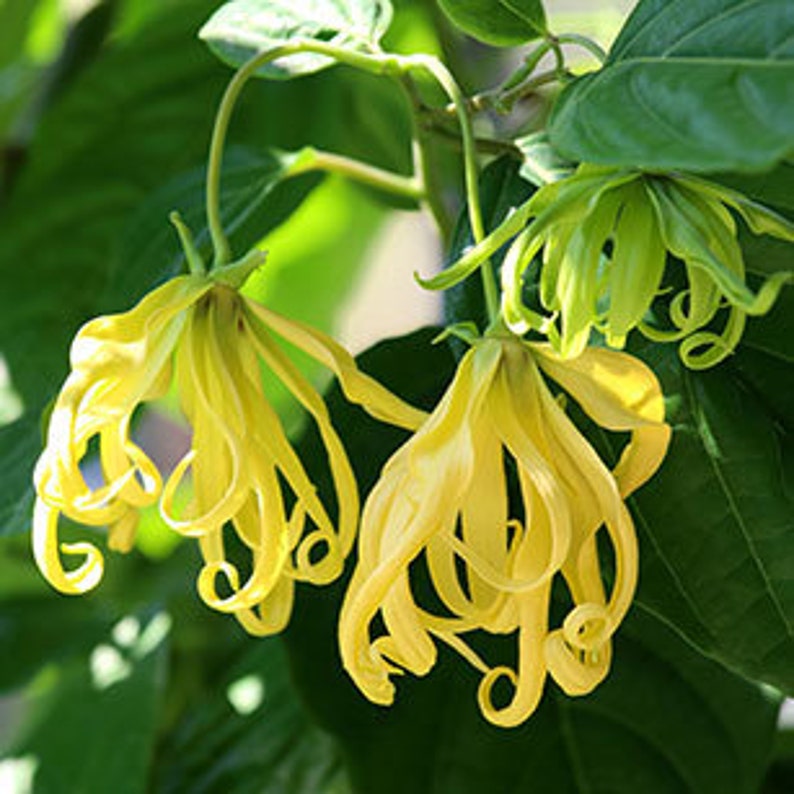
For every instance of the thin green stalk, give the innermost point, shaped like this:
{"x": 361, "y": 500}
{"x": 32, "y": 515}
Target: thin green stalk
{"x": 311, "y": 159}
{"x": 447, "y": 82}
{"x": 530, "y": 64}
{"x": 509, "y": 98}
{"x": 423, "y": 162}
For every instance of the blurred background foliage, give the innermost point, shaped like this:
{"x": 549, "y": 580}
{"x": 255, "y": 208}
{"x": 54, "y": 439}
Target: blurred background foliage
{"x": 105, "y": 114}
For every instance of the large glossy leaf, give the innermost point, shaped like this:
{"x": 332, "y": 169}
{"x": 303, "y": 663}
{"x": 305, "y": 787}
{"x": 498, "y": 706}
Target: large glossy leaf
{"x": 765, "y": 359}
{"x": 702, "y": 86}
{"x": 501, "y": 22}
{"x": 667, "y": 720}
{"x": 240, "y": 29}
{"x": 717, "y": 521}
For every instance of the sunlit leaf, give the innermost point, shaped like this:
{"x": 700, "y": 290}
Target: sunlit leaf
{"x": 501, "y": 22}
{"x": 701, "y": 86}
{"x": 240, "y": 29}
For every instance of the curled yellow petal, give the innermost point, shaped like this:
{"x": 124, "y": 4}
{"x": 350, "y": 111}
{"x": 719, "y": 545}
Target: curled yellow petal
{"x": 117, "y": 363}
{"x": 47, "y": 552}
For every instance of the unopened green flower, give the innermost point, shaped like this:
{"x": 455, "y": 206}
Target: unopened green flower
{"x": 605, "y": 236}
{"x": 442, "y": 503}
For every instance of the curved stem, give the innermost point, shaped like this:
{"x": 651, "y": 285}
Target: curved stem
{"x": 377, "y": 63}
{"x": 509, "y": 98}
{"x": 423, "y": 162}
{"x": 451, "y": 88}
{"x": 591, "y": 46}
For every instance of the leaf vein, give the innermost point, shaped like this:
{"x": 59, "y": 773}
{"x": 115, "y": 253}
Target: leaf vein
{"x": 737, "y": 515}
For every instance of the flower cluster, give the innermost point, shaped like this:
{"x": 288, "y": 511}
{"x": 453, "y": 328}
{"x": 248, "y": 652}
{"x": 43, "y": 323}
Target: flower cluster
{"x": 244, "y": 475}
{"x": 443, "y": 499}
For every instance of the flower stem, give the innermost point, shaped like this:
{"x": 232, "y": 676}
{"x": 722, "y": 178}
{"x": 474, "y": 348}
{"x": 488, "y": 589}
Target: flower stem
{"x": 585, "y": 43}
{"x": 311, "y": 159}
{"x": 376, "y": 63}
{"x": 451, "y": 88}
{"x": 423, "y": 161}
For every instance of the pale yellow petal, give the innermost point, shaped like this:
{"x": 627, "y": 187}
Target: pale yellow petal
{"x": 358, "y": 387}
{"x": 47, "y": 551}
{"x": 345, "y": 484}
{"x": 620, "y": 393}
{"x": 419, "y": 493}
{"x": 272, "y": 614}
{"x": 529, "y": 677}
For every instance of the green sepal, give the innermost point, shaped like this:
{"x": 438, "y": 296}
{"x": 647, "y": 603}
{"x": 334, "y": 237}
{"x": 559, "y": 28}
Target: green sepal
{"x": 236, "y": 274}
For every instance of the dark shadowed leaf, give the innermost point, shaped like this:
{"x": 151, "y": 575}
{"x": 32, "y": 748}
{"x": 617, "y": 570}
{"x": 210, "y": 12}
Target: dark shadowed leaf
{"x": 90, "y": 722}
{"x": 250, "y": 735}
{"x": 717, "y": 520}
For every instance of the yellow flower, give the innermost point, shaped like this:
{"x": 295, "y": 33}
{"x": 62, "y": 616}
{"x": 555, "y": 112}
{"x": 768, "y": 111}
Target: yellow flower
{"x": 242, "y": 475}
{"x": 442, "y": 503}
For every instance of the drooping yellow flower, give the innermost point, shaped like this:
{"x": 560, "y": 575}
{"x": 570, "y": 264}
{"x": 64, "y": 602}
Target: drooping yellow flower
{"x": 242, "y": 475}
{"x": 442, "y": 503}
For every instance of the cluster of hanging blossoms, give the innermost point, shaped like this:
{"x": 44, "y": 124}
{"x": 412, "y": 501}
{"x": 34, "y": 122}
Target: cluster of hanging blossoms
{"x": 496, "y": 497}
{"x": 442, "y": 497}
{"x": 605, "y": 236}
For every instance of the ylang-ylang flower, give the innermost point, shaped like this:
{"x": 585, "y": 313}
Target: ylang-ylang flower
{"x": 605, "y": 236}
{"x": 442, "y": 504}
{"x": 241, "y": 479}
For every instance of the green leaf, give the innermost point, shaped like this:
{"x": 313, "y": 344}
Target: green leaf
{"x": 15, "y": 16}
{"x": 765, "y": 359}
{"x": 717, "y": 521}
{"x": 249, "y": 735}
{"x": 240, "y": 29}
{"x": 703, "y": 86}
{"x": 91, "y": 723}
{"x": 666, "y": 721}
{"x": 20, "y": 444}
{"x": 501, "y": 22}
